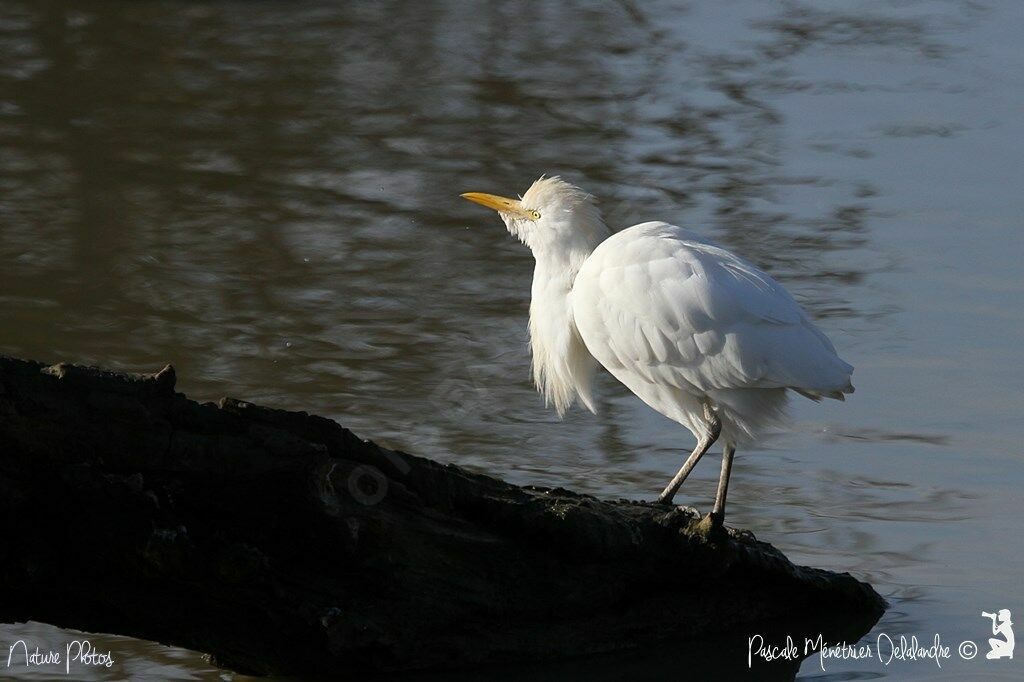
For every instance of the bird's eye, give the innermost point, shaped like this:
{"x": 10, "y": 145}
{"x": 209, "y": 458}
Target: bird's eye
{"x": 535, "y": 215}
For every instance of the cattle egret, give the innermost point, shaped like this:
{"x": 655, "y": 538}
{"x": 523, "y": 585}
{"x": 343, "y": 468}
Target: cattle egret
{"x": 696, "y": 332}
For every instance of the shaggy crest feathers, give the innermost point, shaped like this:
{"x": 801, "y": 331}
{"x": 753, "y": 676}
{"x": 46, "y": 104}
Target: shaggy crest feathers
{"x": 579, "y": 207}
{"x": 549, "y": 191}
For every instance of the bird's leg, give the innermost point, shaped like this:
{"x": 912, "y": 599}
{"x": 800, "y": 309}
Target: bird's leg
{"x": 705, "y": 442}
{"x": 670, "y": 490}
{"x": 718, "y": 513}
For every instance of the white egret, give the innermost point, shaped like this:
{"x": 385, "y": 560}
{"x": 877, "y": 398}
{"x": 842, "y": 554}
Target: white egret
{"x": 696, "y": 332}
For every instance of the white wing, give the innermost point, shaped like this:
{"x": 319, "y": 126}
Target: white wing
{"x": 658, "y": 303}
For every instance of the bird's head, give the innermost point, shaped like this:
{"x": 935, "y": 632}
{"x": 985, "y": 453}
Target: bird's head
{"x": 553, "y": 216}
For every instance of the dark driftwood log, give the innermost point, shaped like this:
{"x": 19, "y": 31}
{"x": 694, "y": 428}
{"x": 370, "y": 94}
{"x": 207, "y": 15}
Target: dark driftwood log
{"x": 279, "y": 542}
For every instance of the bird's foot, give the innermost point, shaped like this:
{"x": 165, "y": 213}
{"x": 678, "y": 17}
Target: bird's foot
{"x": 686, "y": 510}
{"x": 712, "y": 527}
{"x": 664, "y": 501}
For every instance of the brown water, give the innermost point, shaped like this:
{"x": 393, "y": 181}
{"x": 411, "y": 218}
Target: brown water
{"x": 266, "y": 195}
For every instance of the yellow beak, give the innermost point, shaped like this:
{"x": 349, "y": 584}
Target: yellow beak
{"x": 500, "y": 204}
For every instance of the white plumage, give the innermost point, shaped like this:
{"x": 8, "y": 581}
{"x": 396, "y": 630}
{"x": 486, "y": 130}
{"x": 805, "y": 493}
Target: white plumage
{"x": 699, "y": 334}
{"x": 678, "y": 320}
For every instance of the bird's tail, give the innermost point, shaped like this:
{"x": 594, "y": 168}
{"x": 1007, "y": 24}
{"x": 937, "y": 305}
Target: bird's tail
{"x": 816, "y": 396}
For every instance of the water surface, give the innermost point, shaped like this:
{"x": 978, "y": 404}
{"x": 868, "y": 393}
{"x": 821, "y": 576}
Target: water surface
{"x": 266, "y": 195}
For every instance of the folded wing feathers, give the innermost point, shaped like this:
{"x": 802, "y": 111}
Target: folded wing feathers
{"x": 696, "y": 314}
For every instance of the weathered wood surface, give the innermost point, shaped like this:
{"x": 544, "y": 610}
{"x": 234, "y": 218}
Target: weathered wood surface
{"x": 279, "y": 542}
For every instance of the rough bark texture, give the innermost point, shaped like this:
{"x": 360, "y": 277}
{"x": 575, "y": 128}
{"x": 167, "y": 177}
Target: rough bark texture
{"x": 279, "y": 542}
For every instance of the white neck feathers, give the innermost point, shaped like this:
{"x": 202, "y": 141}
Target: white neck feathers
{"x": 562, "y": 366}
